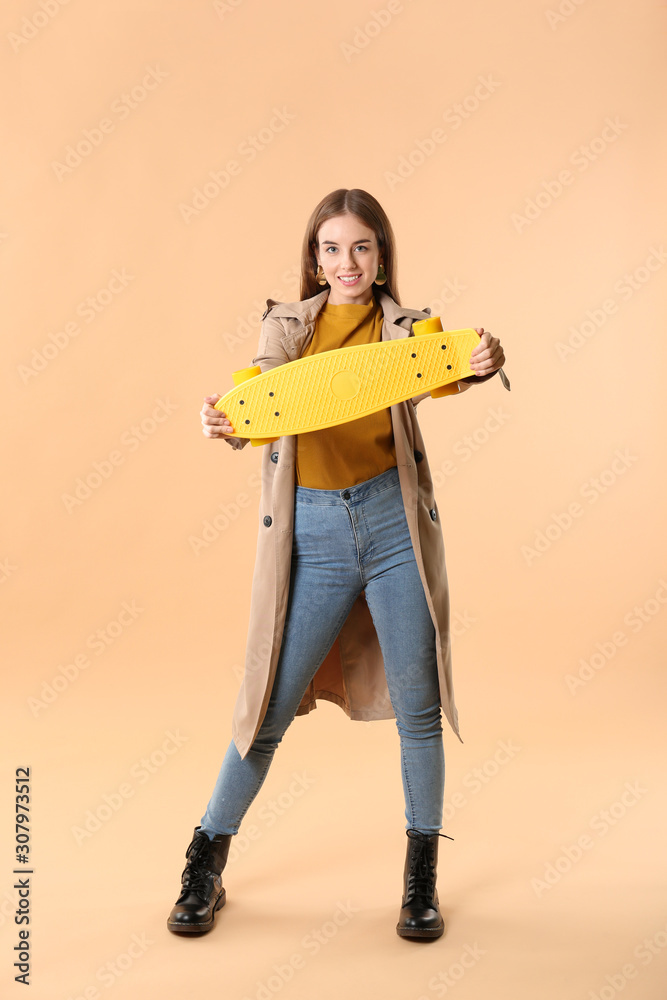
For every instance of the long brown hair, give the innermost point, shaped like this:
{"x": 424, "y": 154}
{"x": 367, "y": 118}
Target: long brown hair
{"x": 369, "y": 210}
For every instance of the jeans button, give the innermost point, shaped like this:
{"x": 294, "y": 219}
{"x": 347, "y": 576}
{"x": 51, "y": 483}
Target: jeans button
{"x": 345, "y": 494}
{"x": 267, "y": 521}
{"x": 274, "y": 456}
{"x": 433, "y": 514}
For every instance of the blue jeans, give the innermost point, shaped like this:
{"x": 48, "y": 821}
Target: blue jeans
{"x": 345, "y": 542}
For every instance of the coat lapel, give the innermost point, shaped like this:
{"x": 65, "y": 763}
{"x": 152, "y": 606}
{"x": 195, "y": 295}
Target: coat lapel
{"x": 397, "y": 320}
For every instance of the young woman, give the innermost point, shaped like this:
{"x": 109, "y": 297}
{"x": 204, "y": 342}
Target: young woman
{"x": 349, "y": 597}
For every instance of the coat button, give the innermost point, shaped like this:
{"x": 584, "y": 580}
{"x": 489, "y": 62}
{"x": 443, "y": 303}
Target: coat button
{"x": 274, "y": 456}
{"x": 267, "y": 521}
{"x": 433, "y": 514}
{"x": 418, "y": 456}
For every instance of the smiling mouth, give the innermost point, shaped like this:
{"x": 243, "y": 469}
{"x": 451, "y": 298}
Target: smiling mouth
{"x": 349, "y": 279}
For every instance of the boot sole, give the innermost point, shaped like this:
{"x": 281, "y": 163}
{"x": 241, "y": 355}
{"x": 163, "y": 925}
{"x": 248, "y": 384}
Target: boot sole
{"x": 178, "y": 928}
{"x": 425, "y": 932}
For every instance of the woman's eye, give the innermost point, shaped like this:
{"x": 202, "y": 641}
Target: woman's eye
{"x": 360, "y": 247}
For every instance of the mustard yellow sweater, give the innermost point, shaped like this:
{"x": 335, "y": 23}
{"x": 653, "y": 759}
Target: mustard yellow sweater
{"x": 349, "y": 453}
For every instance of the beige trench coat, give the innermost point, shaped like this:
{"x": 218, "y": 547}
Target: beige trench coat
{"x": 352, "y": 674}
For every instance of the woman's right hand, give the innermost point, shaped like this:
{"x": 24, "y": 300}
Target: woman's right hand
{"x": 215, "y": 423}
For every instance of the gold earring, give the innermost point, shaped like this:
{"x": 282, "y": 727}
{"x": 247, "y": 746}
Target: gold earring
{"x": 380, "y": 277}
{"x": 321, "y": 280}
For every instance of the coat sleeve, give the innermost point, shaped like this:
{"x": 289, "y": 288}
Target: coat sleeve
{"x": 270, "y": 354}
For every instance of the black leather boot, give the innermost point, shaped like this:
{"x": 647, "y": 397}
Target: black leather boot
{"x": 202, "y": 893}
{"x": 420, "y": 916}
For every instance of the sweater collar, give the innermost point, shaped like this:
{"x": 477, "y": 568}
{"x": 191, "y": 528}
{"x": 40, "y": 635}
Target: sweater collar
{"x": 306, "y": 310}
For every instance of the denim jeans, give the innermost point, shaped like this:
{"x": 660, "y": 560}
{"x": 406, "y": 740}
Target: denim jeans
{"x": 345, "y": 542}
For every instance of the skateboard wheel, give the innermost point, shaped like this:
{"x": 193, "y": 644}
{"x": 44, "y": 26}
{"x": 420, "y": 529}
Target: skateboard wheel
{"x": 423, "y": 326}
{"x": 433, "y": 325}
{"x": 243, "y": 374}
{"x": 255, "y": 442}
{"x": 445, "y": 390}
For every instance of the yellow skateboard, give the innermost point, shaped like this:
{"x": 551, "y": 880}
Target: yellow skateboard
{"x": 332, "y": 387}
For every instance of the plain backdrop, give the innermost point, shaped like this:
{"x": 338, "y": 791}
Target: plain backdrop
{"x": 160, "y": 162}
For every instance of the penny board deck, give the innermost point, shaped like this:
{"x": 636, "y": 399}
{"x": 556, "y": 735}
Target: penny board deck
{"x": 332, "y": 387}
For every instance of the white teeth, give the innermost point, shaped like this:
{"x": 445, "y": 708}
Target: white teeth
{"x": 349, "y": 280}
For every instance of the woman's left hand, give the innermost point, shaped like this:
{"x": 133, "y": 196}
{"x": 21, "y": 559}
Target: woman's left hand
{"x": 488, "y": 356}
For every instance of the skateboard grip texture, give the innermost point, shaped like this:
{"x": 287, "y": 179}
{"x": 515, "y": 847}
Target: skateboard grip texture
{"x": 332, "y": 387}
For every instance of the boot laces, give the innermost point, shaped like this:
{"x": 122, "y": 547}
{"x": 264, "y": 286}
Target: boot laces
{"x": 421, "y": 875}
{"x": 196, "y": 874}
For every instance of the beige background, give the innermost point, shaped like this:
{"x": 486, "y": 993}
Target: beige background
{"x": 139, "y": 715}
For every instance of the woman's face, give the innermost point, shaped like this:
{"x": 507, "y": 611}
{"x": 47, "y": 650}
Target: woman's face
{"x": 347, "y": 248}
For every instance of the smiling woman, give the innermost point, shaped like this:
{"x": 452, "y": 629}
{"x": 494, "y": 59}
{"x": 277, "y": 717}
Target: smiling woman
{"x": 349, "y": 600}
{"x": 348, "y": 259}
{"x": 353, "y": 248}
